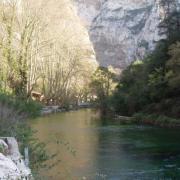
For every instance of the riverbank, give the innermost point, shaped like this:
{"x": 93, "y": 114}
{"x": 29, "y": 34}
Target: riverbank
{"x": 138, "y": 118}
{"x": 14, "y": 115}
{"x": 150, "y": 119}
{"x": 46, "y": 110}
{"x": 156, "y": 120}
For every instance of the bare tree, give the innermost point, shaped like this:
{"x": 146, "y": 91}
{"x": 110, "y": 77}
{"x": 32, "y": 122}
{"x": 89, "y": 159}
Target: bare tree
{"x": 34, "y": 57}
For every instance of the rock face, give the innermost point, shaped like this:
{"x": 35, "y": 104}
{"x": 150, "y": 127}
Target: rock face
{"x": 12, "y": 165}
{"x": 123, "y": 30}
{"x": 8, "y": 168}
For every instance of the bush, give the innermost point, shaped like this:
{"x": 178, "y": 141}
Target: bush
{"x": 152, "y": 85}
{"x": 154, "y": 119}
{"x": 29, "y": 107}
{"x": 13, "y": 123}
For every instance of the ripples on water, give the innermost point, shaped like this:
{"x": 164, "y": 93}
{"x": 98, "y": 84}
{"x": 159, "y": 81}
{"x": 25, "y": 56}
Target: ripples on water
{"x": 90, "y": 148}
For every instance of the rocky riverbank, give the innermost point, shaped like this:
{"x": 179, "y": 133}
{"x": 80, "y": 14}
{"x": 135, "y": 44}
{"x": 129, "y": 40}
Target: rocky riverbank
{"x": 149, "y": 119}
{"x": 12, "y": 163}
{"x": 56, "y": 109}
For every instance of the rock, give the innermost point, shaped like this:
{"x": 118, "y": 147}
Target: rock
{"x": 123, "y": 30}
{"x": 46, "y": 111}
{"x": 12, "y": 164}
{"x": 3, "y": 146}
{"x": 8, "y": 169}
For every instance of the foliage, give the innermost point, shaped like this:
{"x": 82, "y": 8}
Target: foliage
{"x": 170, "y": 25}
{"x": 24, "y": 135}
{"x": 102, "y": 85}
{"x": 29, "y": 108}
{"x": 16, "y": 38}
{"x": 66, "y": 74}
{"x": 13, "y": 123}
{"x": 131, "y": 95}
{"x": 34, "y": 59}
{"x": 153, "y": 85}
{"x": 1, "y": 148}
{"x": 154, "y": 119}
{"x": 173, "y": 68}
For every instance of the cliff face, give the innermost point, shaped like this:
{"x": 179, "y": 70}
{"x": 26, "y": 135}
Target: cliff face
{"x": 12, "y": 164}
{"x": 123, "y": 30}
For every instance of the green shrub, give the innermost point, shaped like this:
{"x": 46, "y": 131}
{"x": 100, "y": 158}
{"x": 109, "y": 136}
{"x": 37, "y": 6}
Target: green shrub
{"x": 13, "y": 123}
{"x": 29, "y": 107}
{"x": 155, "y": 119}
{"x": 1, "y": 148}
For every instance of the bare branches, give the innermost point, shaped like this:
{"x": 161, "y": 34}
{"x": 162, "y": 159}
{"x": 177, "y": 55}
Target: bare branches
{"x": 37, "y": 57}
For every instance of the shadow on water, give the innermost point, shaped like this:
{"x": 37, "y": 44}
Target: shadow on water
{"x": 94, "y": 148}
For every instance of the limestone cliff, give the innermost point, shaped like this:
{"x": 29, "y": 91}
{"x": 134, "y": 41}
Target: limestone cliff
{"x": 123, "y": 30}
{"x": 12, "y": 164}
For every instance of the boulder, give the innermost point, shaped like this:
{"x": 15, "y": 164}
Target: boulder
{"x": 12, "y": 165}
{"x": 8, "y": 169}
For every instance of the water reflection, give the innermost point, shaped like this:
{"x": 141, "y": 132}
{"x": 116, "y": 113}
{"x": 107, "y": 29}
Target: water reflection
{"x": 90, "y": 149}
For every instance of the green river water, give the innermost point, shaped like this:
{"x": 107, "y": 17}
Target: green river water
{"x": 93, "y": 149}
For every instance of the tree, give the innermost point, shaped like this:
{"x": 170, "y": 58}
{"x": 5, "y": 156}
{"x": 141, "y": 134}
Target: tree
{"x": 173, "y": 66}
{"x": 37, "y": 58}
{"x": 170, "y": 25}
{"x": 153, "y": 85}
{"x": 131, "y": 94}
{"x": 19, "y": 35}
{"x": 102, "y": 85}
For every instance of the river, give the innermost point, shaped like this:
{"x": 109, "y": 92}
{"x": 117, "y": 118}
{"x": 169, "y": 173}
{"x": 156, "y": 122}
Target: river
{"x": 93, "y": 149}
